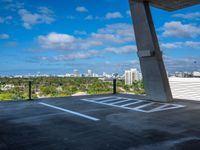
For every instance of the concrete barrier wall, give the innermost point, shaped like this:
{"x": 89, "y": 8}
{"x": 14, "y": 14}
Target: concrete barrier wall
{"x": 185, "y": 88}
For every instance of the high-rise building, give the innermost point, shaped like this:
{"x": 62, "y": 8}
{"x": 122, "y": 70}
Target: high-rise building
{"x": 89, "y": 73}
{"x": 76, "y": 73}
{"x": 131, "y": 76}
{"x": 104, "y": 74}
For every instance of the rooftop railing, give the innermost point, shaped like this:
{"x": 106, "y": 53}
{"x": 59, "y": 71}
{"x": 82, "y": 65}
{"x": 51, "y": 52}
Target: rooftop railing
{"x": 43, "y": 87}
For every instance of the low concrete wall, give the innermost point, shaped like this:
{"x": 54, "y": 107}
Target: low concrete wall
{"x": 185, "y": 88}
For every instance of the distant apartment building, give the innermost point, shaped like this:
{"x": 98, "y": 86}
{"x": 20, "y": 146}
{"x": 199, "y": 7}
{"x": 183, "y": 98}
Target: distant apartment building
{"x": 131, "y": 76}
{"x": 106, "y": 75}
{"x": 89, "y": 73}
{"x": 76, "y": 73}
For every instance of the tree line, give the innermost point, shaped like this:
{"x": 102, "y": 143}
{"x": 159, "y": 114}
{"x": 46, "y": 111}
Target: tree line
{"x": 17, "y": 88}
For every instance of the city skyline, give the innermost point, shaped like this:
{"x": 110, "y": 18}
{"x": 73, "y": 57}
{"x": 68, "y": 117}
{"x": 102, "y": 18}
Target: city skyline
{"x": 55, "y": 38}
{"x": 130, "y": 75}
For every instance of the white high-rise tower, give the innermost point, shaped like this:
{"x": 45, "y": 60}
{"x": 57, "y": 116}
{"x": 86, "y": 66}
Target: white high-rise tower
{"x": 131, "y": 76}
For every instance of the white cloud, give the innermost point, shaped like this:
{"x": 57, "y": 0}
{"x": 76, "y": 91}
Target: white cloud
{"x": 182, "y": 64}
{"x": 81, "y": 9}
{"x": 113, "y": 15}
{"x": 14, "y": 6}
{"x": 4, "y": 36}
{"x": 73, "y": 56}
{"x": 121, "y": 32}
{"x": 89, "y": 17}
{"x": 59, "y": 41}
{"x": 179, "y": 45}
{"x": 87, "y": 43}
{"x": 80, "y": 32}
{"x": 81, "y": 55}
{"x": 5, "y": 19}
{"x": 123, "y": 49}
{"x": 107, "y": 36}
{"x": 193, "y": 15}
{"x": 29, "y": 19}
{"x": 191, "y": 44}
{"x": 45, "y": 10}
{"x": 171, "y": 45}
{"x": 56, "y": 41}
{"x": 114, "y": 34}
{"x": 177, "y": 29}
{"x": 71, "y": 17}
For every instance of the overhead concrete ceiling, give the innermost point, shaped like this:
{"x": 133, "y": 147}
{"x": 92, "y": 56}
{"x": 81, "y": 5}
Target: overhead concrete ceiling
{"x": 172, "y": 5}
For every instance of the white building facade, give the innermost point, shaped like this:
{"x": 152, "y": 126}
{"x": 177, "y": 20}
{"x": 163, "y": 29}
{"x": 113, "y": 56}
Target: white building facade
{"x": 131, "y": 76}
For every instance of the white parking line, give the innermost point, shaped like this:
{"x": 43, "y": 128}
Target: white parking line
{"x": 102, "y": 98}
{"x": 125, "y": 105}
{"x": 108, "y": 104}
{"x": 120, "y": 102}
{"x": 175, "y": 106}
{"x": 110, "y": 100}
{"x": 145, "y": 105}
{"x": 71, "y": 112}
{"x": 160, "y": 107}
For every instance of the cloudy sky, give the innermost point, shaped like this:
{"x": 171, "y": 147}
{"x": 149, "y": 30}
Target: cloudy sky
{"x": 54, "y": 37}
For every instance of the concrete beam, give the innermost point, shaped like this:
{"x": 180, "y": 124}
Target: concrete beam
{"x": 153, "y": 70}
{"x": 172, "y": 5}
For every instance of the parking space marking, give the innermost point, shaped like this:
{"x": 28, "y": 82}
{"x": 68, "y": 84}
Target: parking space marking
{"x": 118, "y": 102}
{"x": 145, "y": 105}
{"x": 109, "y": 100}
{"x": 71, "y": 112}
{"x": 107, "y": 104}
{"x": 102, "y": 98}
{"x": 139, "y": 101}
{"x": 173, "y": 106}
{"x": 129, "y": 104}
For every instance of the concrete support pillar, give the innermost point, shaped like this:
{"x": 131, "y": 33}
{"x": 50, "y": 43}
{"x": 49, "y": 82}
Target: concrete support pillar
{"x": 153, "y": 70}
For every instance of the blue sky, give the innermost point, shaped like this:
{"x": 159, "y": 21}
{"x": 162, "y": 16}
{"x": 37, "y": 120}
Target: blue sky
{"x": 54, "y": 37}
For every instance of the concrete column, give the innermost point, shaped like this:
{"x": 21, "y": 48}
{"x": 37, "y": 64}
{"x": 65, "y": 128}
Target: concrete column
{"x": 153, "y": 70}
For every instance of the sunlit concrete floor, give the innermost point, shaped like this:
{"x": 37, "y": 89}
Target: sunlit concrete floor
{"x": 30, "y": 125}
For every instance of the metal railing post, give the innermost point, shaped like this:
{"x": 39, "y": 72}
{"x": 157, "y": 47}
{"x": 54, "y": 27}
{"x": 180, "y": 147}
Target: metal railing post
{"x": 29, "y": 90}
{"x": 114, "y": 86}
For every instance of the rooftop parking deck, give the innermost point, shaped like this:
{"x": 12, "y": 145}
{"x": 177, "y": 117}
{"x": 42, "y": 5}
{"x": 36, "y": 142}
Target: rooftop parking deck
{"x": 99, "y": 123}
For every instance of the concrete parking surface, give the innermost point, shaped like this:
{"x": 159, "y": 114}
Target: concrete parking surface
{"x": 100, "y": 122}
